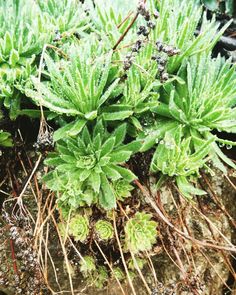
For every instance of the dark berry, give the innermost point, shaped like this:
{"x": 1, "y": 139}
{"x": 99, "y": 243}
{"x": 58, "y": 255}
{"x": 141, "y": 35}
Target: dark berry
{"x": 164, "y": 77}
{"x": 151, "y": 25}
{"x": 162, "y": 61}
{"x": 142, "y": 30}
{"x": 142, "y": 8}
{"x": 156, "y": 14}
{"x": 161, "y": 68}
{"x": 127, "y": 64}
{"x": 159, "y": 46}
{"x": 137, "y": 46}
{"x": 147, "y": 16}
{"x": 176, "y": 51}
{"x": 77, "y": 35}
{"x": 168, "y": 49}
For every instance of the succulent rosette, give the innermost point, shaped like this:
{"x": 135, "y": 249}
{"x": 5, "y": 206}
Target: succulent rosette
{"x": 140, "y": 233}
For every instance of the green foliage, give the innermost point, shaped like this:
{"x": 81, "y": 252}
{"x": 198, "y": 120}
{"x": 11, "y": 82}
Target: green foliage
{"x": 118, "y": 273}
{"x": 140, "y": 233}
{"x": 122, "y": 189}
{"x": 174, "y": 157}
{"x": 95, "y": 275}
{"x": 78, "y": 227}
{"x": 92, "y": 162}
{"x": 78, "y": 87}
{"x": 223, "y": 6}
{"x": 104, "y": 229}
{"x": 23, "y": 33}
{"x": 100, "y": 277}
{"x": 177, "y": 26}
{"x": 203, "y": 102}
{"x": 5, "y": 139}
{"x": 83, "y": 83}
{"x": 137, "y": 262}
{"x": 65, "y": 15}
{"x": 87, "y": 265}
{"x": 72, "y": 196}
{"x": 107, "y": 19}
{"x": 106, "y": 111}
{"x": 137, "y": 99}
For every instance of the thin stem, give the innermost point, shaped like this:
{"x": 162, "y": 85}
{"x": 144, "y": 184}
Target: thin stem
{"x": 122, "y": 255}
{"x": 127, "y": 30}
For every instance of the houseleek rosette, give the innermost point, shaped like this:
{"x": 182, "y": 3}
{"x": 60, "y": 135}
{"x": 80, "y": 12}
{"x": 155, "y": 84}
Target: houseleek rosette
{"x": 104, "y": 229}
{"x": 122, "y": 189}
{"x": 92, "y": 162}
{"x": 140, "y": 233}
{"x": 79, "y": 227}
{"x": 87, "y": 265}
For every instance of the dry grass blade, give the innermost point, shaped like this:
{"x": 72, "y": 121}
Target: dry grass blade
{"x": 109, "y": 265}
{"x": 230, "y": 248}
{"x": 122, "y": 255}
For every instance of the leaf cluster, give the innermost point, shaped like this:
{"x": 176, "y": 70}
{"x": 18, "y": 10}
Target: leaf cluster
{"x": 140, "y": 233}
{"x": 91, "y": 163}
{"x": 104, "y": 229}
{"x": 5, "y": 139}
{"x": 105, "y": 114}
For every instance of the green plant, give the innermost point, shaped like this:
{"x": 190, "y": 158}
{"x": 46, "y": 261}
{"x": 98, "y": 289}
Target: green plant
{"x": 65, "y": 15}
{"x": 74, "y": 196}
{"x": 138, "y": 262}
{"x": 177, "y": 26}
{"x": 100, "y": 277}
{"x": 118, "y": 273}
{"x": 92, "y": 162}
{"x": 78, "y": 88}
{"x": 107, "y": 19}
{"x": 122, "y": 189}
{"x": 78, "y": 227}
{"x": 191, "y": 109}
{"x": 5, "y": 139}
{"x": 174, "y": 157}
{"x": 23, "y": 33}
{"x": 137, "y": 98}
{"x": 104, "y": 229}
{"x": 87, "y": 265}
{"x": 224, "y": 6}
{"x": 140, "y": 233}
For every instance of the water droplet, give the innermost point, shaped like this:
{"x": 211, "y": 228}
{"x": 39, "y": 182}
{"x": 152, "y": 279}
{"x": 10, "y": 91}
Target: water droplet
{"x": 162, "y": 142}
{"x": 229, "y": 146}
{"x": 221, "y": 144}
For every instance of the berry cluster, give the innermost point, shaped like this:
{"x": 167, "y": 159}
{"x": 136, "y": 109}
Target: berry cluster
{"x": 162, "y": 60}
{"x": 169, "y": 50}
{"x": 142, "y": 31}
{"x": 164, "y": 51}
